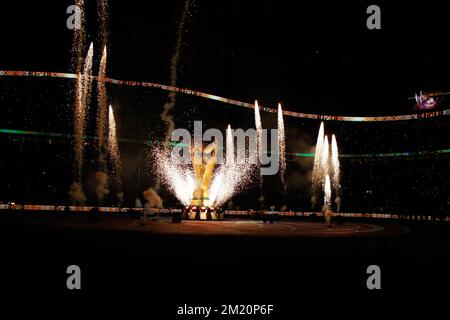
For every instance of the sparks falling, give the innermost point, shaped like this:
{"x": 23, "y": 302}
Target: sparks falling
{"x": 229, "y": 147}
{"x": 317, "y": 175}
{"x": 102, "y": 110}
{"x": 114, "y": 151}
{"x": 78, "y": 40}
{"x": 325, "y": 158}
{"x": 259, "y": 135}
{"x": 232, "y": 177}
{"x": 177, "y": 176}
{"x": 103, "y": 18}
{"x": 327, "y": 191}
{"x": 87, "y": 77}
{"x": 228, "y": 178}
{"x": 324, "y": 167}
{"x": 82, "y": 99}
{"x": 219, "y": 180}
{"x": 281, "y": 146}
{"x": 335, "y": 163}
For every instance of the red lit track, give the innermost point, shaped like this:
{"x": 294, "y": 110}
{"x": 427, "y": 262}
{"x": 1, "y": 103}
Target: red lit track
{"x": 222, "y": 228}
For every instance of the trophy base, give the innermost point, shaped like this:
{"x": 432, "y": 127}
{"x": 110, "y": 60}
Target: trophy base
{"x": 203, "y": 213}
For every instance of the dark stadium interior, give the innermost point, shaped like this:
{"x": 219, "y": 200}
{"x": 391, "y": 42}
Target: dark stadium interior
{"x": 313, "y": 57}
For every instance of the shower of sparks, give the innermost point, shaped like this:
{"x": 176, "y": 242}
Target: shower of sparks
{"x": 326, "y": 165}
{"x": 259, "y": 146}
{"x": 336, "y": 166}
{"x": 281, "y": 146}
{"x": 103, "y": 18}
{"x": 78, "y": 40}
{"x": 87, "y": 77}
{"x": 317, "y": 170}
{"x": 325, "y": 159}
{"x": 102, "y": 110}
{"x": 177, "y": 176}
{"x": 229, "y": 147}
{"x": 325, "y": 156}
{"x": 232, "y": 177}
{"x": 228, "y": 178}
{"x": 113, "y": 147}
{"x": 82, "y": 99}
{"x": 258, "y": 126}
{"x": 327, "y": 191}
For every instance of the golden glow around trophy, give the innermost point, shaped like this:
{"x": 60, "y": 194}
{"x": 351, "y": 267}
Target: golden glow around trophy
{"x": 203, "y": 162}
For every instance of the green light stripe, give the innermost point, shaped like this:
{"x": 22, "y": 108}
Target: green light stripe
{"x": 304, "y": 154}
{"x": 179, "y": 144}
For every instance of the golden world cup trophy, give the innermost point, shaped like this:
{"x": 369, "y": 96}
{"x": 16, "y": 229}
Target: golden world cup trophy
{"x": 203, "y": 162}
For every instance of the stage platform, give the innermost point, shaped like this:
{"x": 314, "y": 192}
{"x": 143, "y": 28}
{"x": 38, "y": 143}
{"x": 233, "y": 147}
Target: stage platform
{"x": 233, "y": 227}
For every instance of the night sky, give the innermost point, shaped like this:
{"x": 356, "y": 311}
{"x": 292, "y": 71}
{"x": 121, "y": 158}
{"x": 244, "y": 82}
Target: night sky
{"x": 315, "y": 56}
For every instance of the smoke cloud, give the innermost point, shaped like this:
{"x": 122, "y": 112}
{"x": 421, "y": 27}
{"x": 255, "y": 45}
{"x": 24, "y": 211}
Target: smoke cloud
{"x": 313, "y": 201}
{"x": 153, "y": 199}
{"x": 261, "y": 201}
{"x": 338, "y": 201}
{"x": 170, "y": 104}
{"x": 120, "y": 198}
{"x": 101, "y": 185}
{"x": 76, "y": 194}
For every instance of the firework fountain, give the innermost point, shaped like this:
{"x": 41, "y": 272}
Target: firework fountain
{"x": 82, "y": 100}
{"x": 112, "y": 143}
{"x": 216, "y": 194}
{"x": 178, "y": 177}
{"x": 335, "y": 163}
{"x": 234, "y": 176}
{"x": 327, "y": 191}
{"x": 281, "y": 146}
{"x": 102, "y": 111}
{"x": 103, "y": 18}
{"x": 324, "y": 166}
{"x": 114, "y": 154}
{"x": 317, "y": 170}
{"x": 230, "y": 147}
{"x": 83, "y": 89}
{"x": 258, "y": 126}
{"x": 101, "y": 177}
{"x": 326, "y": 210}
{"x": 78, "y": 41}
{"x": 325, "y": 160}
{"x": 205, "y": 182}
{"x": 336, "y": 172}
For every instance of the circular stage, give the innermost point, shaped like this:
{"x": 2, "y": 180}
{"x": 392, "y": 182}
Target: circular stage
{"x": 277, "y": 229}
{"x": 253, "y": 228}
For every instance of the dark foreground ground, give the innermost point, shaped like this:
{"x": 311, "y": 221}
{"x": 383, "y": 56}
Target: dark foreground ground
{"x": 139, "y": 262}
